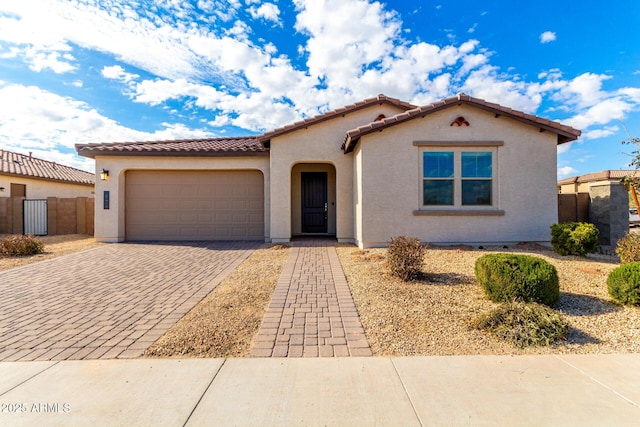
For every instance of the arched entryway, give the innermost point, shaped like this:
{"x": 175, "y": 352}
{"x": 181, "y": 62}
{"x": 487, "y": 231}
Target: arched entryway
{"x": 313, "y": 199}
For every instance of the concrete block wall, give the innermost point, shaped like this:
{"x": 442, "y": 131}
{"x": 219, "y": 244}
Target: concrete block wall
{"x": 609, "y": 211}
{"x": 64, "y": 215}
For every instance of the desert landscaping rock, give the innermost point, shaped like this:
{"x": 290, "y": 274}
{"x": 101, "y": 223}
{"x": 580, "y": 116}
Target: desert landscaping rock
{"x": 431, "y": 316}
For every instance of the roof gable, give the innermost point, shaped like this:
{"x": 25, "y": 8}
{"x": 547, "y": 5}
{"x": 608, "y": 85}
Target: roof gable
{"x": 565, "y": 133}
{"x": 233, "y": 146}
{"x": 339, "y": 112}
{"x": 17, "y": 164}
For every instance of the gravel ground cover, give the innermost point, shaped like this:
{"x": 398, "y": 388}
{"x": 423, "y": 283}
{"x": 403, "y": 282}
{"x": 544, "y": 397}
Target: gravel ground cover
{"x": 225, "y": 323}
{"x": 54, "y": 246}
{"x": 427, "y": 317}
{"x": 431, "y": 316}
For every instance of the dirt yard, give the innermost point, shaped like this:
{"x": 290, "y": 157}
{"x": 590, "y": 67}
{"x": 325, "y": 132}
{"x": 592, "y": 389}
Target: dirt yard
{"x": 54, "y": 246}
{"x": 431, "y": 316}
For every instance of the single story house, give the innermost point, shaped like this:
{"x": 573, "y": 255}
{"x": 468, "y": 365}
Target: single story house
{"x": 23, "y": 175}
{"x": 461, "y": 170}
{"x": 580, "y": 184}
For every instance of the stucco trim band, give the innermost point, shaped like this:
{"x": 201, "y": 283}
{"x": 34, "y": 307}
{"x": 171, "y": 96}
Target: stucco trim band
{"x": 458, "y": 212}
{"x": 458, "y": 143}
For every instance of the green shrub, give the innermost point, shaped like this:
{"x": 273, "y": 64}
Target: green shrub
{"x": 574, "y": 238}
{"x": 19, "y": 245}
{"x": 405, "y": 257}
{"x": 628, "y": 248}
{"x": 523, "y": 324}
{"x": 624, "y": 283}
{"x": 510, "y": 277}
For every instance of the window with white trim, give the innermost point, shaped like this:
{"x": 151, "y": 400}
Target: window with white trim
{"x": 458, "y": 178}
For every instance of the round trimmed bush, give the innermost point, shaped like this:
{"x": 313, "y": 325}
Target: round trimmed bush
{"x": 511, "y": 277}
{"x": 624, "y": 283}
{"x": 574, "y": 238}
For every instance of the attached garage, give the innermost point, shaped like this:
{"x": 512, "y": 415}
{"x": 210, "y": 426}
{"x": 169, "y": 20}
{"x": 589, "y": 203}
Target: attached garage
{"x": 178, "y": 205}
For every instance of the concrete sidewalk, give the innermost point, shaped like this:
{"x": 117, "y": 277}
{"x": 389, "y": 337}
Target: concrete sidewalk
{"x": 558, "y": 390}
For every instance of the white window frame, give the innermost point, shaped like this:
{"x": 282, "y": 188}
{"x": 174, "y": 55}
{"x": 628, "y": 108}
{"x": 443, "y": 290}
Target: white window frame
{"x": 457, "y": 148}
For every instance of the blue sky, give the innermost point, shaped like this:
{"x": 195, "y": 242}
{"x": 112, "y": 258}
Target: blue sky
{"x": 122, "y": 70}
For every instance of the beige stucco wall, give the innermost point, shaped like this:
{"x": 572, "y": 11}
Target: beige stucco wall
{"x": 110, "y": 223}
{"x": 390, "y": 183}
{"x": 319, "y": 143}
{"x": 567, "y": 188}
{"x": 41, "y": 189}
{"x": 578, "y": 187}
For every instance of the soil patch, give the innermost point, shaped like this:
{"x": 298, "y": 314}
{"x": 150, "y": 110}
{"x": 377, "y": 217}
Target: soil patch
{"x": 54, "y": 246}
{"x": 432, "y": 316}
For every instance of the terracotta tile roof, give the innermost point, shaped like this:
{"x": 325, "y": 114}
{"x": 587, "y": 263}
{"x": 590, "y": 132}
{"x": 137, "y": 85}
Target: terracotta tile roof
{"x": 565, "y": 133}
{"x": 599, "y": 176}
{"x": 380, "y": 99}
{"x": 566, "y": 181}
{"x": 234, "y": 146}
{"x": 17, "y": 164}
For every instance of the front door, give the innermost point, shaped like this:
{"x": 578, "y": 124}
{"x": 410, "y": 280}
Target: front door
{"x": 314, "y": 202}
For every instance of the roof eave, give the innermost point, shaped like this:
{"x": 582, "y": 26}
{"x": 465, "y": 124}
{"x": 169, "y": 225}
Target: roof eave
{"x": 93, "y": 153}
{"x": 42, "y": 178}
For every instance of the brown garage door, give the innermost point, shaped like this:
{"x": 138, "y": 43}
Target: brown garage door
{"x": 194, "y": 205}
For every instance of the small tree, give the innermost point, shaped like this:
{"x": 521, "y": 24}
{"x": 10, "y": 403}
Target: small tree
{"x": 632, "y": 182}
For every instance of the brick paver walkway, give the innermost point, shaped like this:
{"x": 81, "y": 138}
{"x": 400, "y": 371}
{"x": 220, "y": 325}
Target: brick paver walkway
{"x": 110, "y": 302}
{"x": 311, "y": 313}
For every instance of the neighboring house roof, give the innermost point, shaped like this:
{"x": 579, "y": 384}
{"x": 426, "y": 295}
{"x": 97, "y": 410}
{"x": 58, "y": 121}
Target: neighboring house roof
{"x": 17, "y": 164}
{"x": 598, "y": 176}
{"x": 380, "y": 99}
{"x": 234, "y": 146}
{"x": 565, "y": 133}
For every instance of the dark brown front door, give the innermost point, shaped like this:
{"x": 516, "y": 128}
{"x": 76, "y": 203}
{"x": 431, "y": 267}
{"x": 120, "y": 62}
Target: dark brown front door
{"x": 314, "y": 202}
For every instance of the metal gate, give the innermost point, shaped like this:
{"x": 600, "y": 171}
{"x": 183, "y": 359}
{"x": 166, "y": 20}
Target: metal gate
{"x": 35, "y": 217}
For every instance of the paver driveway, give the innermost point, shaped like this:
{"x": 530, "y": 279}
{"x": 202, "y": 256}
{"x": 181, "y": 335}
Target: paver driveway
{"x": 109, "y": 302}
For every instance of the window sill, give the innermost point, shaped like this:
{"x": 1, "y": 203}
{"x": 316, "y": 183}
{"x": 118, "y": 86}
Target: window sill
{"x": 458, "y": 212}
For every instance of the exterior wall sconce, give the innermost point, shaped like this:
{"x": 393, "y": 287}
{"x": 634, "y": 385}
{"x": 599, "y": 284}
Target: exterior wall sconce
{"x": 2, "y": 189}
{"x": 104, "y": 174}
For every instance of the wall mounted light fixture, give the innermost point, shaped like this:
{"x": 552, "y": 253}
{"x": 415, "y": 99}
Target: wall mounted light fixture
{"x": 1, "y": 188}
{"x": 104, "y": 174}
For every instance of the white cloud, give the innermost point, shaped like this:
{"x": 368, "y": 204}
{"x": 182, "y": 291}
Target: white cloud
{"x": 116, "y": 72}
{"x": 42, "y": 121}
{"x": 631, "y": 93}
{"x": 585, "y": 90}
{"x": 600, "y": 133}
{"x": 266, "y": 11}
{"x": 58, "y": 62}
{"x": 566, "y": 171}
{"x": 487, "y": 83}
{"x": 547, "y": 37}
{"x": 601, "y": 113}
{"x": 202, "y": 54}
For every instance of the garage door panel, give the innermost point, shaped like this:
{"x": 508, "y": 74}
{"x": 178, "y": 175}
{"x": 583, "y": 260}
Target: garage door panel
{"x": 194, "y": 205}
